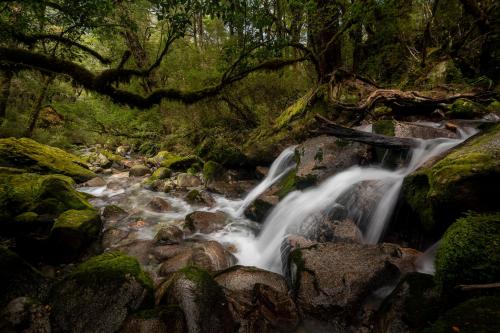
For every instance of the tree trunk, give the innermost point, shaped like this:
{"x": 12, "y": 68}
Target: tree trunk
{"x": 38, "y": 106}
{"x": 4, "y": 93}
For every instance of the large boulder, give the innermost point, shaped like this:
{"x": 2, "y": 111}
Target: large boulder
{"x": 172, "y": 161}
{"x": 138, "y": 170}
{"x": 464, "y": 179}
{"x": 468, "y": 252}
{"x": 99, "y": 294}
{"x": 260, "y": 208}
{"x": 402, "y": 129}
{"x": 188, "y": 180}
{"x": 200, "y": 298}
{"x": 18, "y": 278}
{"x": 72, "y": 231}
{"x": 40, "y": 194}
{"x": 25, "y": 314}
{"x": 258, "y": 299}
{"x": 35, "y": 157}
{"x": 331, "y": 281}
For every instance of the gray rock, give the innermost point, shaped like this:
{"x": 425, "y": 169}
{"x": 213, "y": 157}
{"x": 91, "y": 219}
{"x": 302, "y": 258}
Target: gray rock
{"x": 188, "y": 180}
{"x": 139, "y": 171}
{"x": 205, "y": 222}
{"x": 159, "y": 205}
{"x": 24, "y": 314}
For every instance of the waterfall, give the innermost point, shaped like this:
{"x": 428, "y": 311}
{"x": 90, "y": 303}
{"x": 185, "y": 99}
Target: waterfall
{"x": 300, "y": 208}
{"x": 283, "y": 164}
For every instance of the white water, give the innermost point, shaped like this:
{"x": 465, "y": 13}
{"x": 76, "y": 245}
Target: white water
{"x": 283, "y": 164}
{"x": 299, "y": 208}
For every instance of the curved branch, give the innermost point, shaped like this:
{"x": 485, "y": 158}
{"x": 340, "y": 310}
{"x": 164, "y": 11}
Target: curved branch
{"x": 19, "y": 59}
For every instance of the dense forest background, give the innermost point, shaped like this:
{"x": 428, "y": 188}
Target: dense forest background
{"x": 217, "y": 77}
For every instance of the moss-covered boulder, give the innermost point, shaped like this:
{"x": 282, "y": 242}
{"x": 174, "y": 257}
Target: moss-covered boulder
{"x": 468, "y": 253}
{"x": 99, "y": 294}
{"x": 212, "y": 171}
{"x": 161, "y": 173}
{"x": 172, "y": 161}
{"x": 200, "y": 298}
{"x": 18, "y": 278}
{"x": 465, "y": 179}
{"x": 72, "y": 231}
{"x": 222, "y": 150}
{"x": 478, "y": 315}
{"x": 35, "y": 157}
{"x": 466, "y": 109}
{"x": 48, "y": 195}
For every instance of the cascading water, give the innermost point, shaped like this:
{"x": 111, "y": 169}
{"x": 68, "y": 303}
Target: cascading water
{"x": 300, "y": 208}
{"x": 283, "y": 164}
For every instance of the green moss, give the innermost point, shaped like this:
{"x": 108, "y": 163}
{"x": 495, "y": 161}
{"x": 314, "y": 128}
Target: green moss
{"x": 110, "y": 267}
{"x": 287, "y": 184}
{"x": 41, "y": 194}
{"x": 222, "y": 150}
{"x": 110, "y": 156}
{"x": 463, "y": 180}
{"x": 35, "y": 157}
{"x": 173, "y": 162}
{"x": 161, "y": 173}
{"x": 86, "y": 221}
{"x": 212, "y": 170}
{"x": 295, "y": 110}
{"x": 494, "y": 106}
{"x": 382, "y": 111}
{"x": 465, "y": 109}
{"x": 319, "y": 155}
{"x": 468, "y": 253}
{"x": 28, "y": 217}
{"x": 384, "y": 127}
{"x": 478, "y": 315}
{"x": 193, "y": 196}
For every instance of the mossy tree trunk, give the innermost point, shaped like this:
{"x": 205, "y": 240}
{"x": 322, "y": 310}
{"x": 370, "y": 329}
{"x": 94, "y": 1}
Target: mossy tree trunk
{"x": 38, "y": 106}
{"x": 4, "y": 93}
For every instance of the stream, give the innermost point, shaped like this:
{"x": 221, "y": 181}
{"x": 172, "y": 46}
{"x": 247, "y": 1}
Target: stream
{"x": 257, "y": 244}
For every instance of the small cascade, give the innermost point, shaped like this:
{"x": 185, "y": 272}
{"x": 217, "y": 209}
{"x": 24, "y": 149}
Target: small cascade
{"x": 283, "y": 164}
{"x": 425, "y": 263}
{"x": 300, "y": 209}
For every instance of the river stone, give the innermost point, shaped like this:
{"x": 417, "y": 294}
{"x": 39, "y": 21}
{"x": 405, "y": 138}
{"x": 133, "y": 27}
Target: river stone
{"x": 323, "y": 156}
{"x": 169, "y": 235}
{"x": 95, "y": 182}
{"x": 158, "y": 320}
{"x": 24, "y": 314}
{"x": 209, "y": 255}
{"x": 138, "y": 170}
{"x": 98, "y": 294}
{"x": 200, "y": 197}
{"x": 188, "y": 180}
{"x": 411, "y": 130}
{"x": 332, "y": 280}
{"x": 139, "y": 249}
{"x": 259, "y": 299}
{"x": 205, "y": 222}
{"x": 113, "y": 213}
{"x": 159, "y": 205}
{"x": 122, "y": 150}
{"x": 261, "y": 207}
{"x": 200, "y": 298}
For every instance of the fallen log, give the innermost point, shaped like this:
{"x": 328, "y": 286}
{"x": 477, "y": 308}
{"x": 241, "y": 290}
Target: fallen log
{"x": 327, "y": 127}
{"x": 471, "y": 287}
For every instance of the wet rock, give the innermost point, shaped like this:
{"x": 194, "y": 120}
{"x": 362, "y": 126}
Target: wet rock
{"x": 24, "y": 314}
{"x": 169, "y": 235}
{"x": 259, "y": 299}
{"x": 262, "y": 171}
{"x": 200, "y": 299}
{"x": 159, "y": 205}
{"x": 95, "y": 182}
{"x": 326, "y": 230}
{"x": 323, "y": 156}
{"x": 98, "y": 294}
{"x": 73, "y": 230}
{"x": 212, "y": 171}
{"x": 411, "y": 130}
{"x": 261, "y": 207}
{"x": 205, "y": 222}
{"x": 138, "y": 171}
{"x": 410, "y": 307}
{"x": 96, "y": 169}
{"x": 446, "y": 187}
{"x": 200, "y": 197}
{"x": 209, "y": 255}
{"x": 139, "y": 249}
{"x": 113, "y": 237}
{"x": 38, "y": 158}
{"x": 188, "y": 180}
{"x": 172, "y": 161}
{"x": 229, "y": 189}
{"x": 161, "y": 173}
{"x": 113, "y": 213}
{"x": 18, "y": 278}
{"x": 164, "y": 252}
{"x": 100, "y": 160}
{"x": 332, "y": 280}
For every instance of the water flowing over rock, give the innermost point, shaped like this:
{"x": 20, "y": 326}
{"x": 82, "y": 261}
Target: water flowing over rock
{"x": 205, "y": 222}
